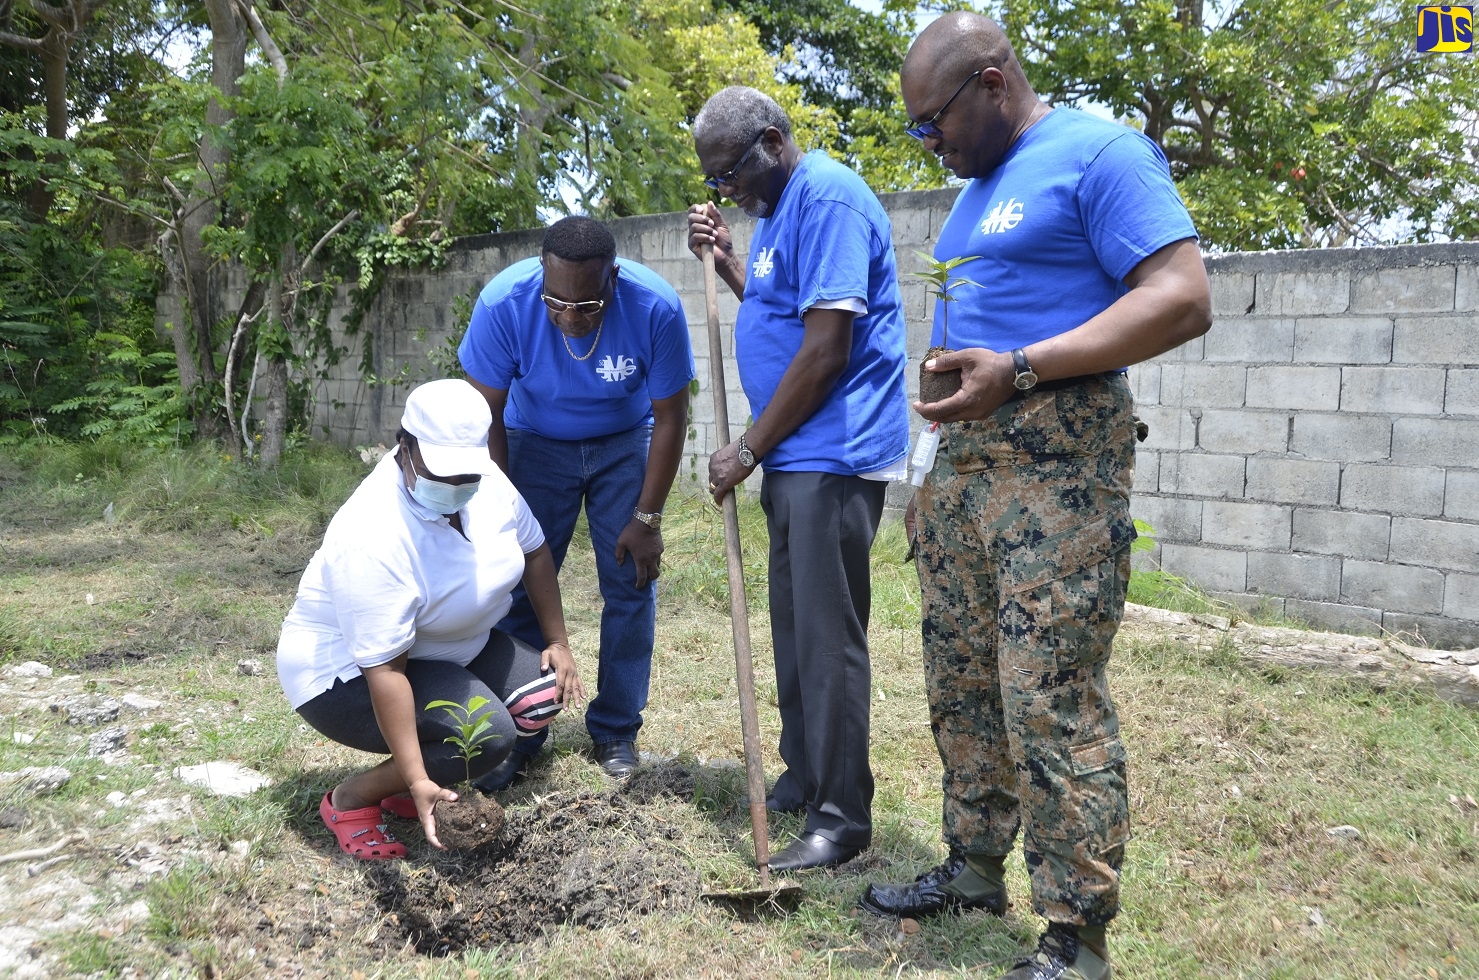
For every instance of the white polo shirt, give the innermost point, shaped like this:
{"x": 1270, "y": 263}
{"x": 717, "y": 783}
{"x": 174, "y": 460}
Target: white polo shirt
{"x": 393, "y": 576}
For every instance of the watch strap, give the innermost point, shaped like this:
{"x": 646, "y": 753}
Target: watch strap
{"x": 652, "y": 520}
{"x": 1024, "y": 378}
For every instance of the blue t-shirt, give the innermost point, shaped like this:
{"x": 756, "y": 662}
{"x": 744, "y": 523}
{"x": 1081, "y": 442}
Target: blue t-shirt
{"x": 828, "y": 239}
{"x": 1075, "y": 205}
{"x": 642, "y": 355}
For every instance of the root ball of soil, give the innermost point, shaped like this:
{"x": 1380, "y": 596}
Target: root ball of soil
{"x": 473, "y": 821}
{"x": 937, "y": 386}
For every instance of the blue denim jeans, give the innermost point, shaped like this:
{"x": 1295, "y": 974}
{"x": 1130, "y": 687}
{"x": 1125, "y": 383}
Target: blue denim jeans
{"x": 556, "y": 477}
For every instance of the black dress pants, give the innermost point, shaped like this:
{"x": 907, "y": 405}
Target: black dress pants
{"x": 821, "y": 529}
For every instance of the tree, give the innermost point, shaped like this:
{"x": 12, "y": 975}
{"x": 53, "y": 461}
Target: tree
{"x": 1286, "y": 124}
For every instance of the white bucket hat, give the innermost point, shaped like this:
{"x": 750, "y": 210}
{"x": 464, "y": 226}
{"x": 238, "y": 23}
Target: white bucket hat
{"x": 450, "y": 421}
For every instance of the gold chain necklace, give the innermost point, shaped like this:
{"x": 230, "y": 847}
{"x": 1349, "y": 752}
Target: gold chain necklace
{"x": 587, "y": 354}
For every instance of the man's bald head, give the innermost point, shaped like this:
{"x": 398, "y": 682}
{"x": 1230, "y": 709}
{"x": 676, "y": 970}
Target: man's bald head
{"x": 957, "y": 44}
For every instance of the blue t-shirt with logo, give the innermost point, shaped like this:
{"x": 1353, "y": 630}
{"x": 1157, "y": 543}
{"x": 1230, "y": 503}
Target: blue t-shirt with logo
{"x": 828, "y": 239}
{"x": 1074, "y": 206}
{"x": 643, "y": 354}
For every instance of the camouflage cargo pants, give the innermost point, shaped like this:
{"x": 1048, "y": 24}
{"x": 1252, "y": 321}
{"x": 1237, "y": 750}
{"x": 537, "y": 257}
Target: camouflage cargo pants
{"x": 1024, "y": 532}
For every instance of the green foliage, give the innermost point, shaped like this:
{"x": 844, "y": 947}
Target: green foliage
{"x": 1286, "y": 124}
{"x": 942, "y": 285}
{"x": 472, "y": 732}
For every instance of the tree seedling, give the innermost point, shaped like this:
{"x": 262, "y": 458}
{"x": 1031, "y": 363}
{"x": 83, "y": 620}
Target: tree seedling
{"x": 471, "y": 735}
{"x": 939, "y": 282}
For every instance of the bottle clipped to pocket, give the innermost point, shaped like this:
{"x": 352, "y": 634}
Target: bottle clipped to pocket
{"x": 925, "y": 448}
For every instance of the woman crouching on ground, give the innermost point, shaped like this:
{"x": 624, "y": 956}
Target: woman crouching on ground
{"x": 397, "y": 608}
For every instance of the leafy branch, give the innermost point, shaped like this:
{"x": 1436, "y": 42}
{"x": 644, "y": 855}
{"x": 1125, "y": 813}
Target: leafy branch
{"x": 471, "y": 735}
{"x": 939, "y": 282}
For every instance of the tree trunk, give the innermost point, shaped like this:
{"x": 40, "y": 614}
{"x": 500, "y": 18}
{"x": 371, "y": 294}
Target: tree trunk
{"x": 202, "y": 282}
{"x": 275, "y": 409}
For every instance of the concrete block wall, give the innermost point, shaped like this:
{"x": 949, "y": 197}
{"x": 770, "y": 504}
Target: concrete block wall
{"x": 1317, "y": 452}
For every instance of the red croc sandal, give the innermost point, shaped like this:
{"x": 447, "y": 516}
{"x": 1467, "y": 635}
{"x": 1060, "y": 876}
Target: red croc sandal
{"x": 361, "y": 833}
{"x": 400, "y": 806}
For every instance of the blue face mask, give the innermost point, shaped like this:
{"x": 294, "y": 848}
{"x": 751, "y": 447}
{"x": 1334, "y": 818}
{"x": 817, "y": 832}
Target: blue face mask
{"x": 444, "y": 498}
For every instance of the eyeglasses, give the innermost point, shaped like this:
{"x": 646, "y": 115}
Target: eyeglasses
{"x": 583, "y": 307}
{"x": 733, "y": 174}
{"x": 928, "y": 129}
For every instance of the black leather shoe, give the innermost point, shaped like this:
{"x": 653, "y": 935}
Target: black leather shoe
{"x": 812, "y": 851}
{"x": 617, "y": 758}
{"x": 502, "y": 775}
{"x": 926, "y": 895}
{"x": 776, "y": 806}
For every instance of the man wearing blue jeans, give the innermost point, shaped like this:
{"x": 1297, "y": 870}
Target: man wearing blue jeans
{"x": 585, "y": 363}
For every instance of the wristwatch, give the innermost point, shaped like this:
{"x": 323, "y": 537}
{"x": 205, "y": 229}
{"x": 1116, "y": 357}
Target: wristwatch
{"x": 653, "y": 520}
{"x": 746, "y": 457}
{"x": 1025, "y": 378}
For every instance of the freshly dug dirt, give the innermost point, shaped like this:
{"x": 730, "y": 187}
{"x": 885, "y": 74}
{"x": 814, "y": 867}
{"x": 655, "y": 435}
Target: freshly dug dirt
{"x": 935, "y": 386}
{"x": 582, "y": 858}
{"x": 473, "y": 821}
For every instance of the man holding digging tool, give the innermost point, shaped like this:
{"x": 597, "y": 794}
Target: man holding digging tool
{"x": 819, "y": 341}
{"x": 585, "y": 363}
{"x": 1089, "y": 262}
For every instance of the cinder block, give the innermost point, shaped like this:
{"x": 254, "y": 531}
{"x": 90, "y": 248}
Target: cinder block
{"x": 1390, "y": 586}
{"x": 1461, "y": 495}
{"x": 1392, "y": 390}
{"x": 1463, "y": 392}
{"x": 1409, "y": 490}
{"x": 1195, "y": 384}
{"x": 1294, "y": 576}
{"x": 1435, "y": 631}
{"x": 1341, "y": 617}
{"x": 1292, "y": 481}
{"x": 1461, "y": 596}
{"x": 1438, "y": 544}
{"x": 911, "y": 229}
{"x": 1232, "y": 294}
{"x": 1209, "y": 568}
{"x": 1171, "y": 428}
{"x": 1414, "y": 289}
{"x": 1202, "y": 474}
{"x": 1147, "y": 471}
{"x": 1301, "y": 388}
{"x": 1435, "y": 442}
{"x": 1349, "y": 438}
{"x": 1171, "y": 520}
{"x": 1303, "y": 293}
{"x": 1228, "y": 431}
{"x": 1250, "y": 341}
{"x": 1145, "y": 383}
{"x": 1435, "y": 340}
{"x": 1343, "y": 340}
{"x": 1466, "y": 294}
{"x": 1246, "y": 525}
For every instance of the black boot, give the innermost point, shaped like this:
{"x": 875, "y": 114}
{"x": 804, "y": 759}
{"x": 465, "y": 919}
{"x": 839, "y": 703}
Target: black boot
{"x": 1062, "y": 954}
{"x": 952, "y": 887}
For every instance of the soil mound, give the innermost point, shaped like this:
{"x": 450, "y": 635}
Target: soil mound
{"x": 471, "y": 822}
{"x": 580, "y": 858}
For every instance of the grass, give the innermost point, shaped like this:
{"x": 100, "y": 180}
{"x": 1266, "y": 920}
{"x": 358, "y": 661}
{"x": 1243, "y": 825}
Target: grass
{"x": 1237, "y": 773}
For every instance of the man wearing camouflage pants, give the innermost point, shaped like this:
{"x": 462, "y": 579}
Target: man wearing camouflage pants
{"x": 1088, "y": 262}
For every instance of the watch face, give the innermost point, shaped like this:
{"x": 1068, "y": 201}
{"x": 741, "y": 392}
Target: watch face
{"x": 746, "y": 458}
{"x": 1025, "y": 380}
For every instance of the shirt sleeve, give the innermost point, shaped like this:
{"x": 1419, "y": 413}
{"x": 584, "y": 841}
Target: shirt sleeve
{"x": 1130, "y": 206}
{"x": 487, "y": 352}
{"x": 672, "y": 351}
{"x": 834, "y": 247}
{"x": 376, "y": 601}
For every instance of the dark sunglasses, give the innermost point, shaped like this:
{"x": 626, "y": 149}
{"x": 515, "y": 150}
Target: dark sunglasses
{"x": 928, "y": 129}
{"x": 729, "y": 178}
{"x": 584, "y": 307}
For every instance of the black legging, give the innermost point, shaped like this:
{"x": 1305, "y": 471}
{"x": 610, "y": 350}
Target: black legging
{"x": 506, "y": 672}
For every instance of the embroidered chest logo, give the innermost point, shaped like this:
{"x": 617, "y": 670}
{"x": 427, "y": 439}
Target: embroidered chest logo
{"x": 618, "y": 369}
{"x": 764, "y": 262}
{"x": 1004, "y": 217}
